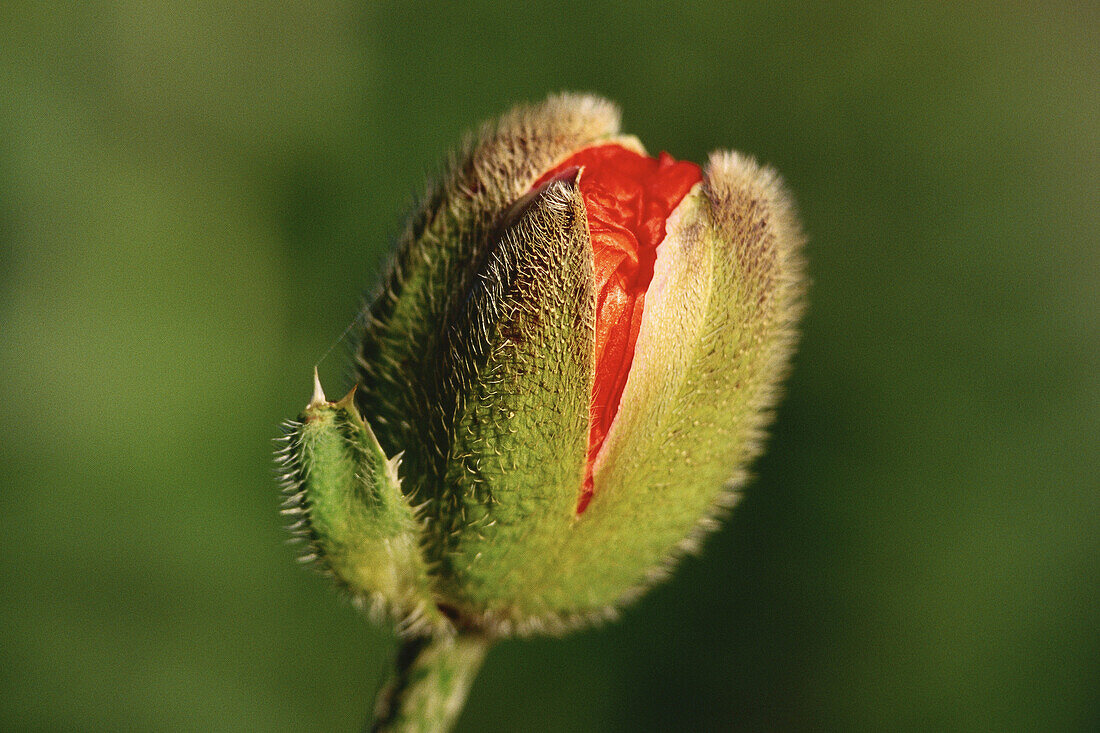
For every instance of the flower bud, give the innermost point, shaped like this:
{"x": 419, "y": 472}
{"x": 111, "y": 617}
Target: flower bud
{"x": 576, "y": 351}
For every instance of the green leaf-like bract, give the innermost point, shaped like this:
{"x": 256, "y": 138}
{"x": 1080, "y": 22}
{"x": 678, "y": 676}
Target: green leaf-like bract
{"x": 358, "y": 525}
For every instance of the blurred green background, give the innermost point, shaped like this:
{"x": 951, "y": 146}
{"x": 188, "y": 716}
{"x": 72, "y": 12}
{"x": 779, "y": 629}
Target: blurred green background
{"x": 193, "y": 197}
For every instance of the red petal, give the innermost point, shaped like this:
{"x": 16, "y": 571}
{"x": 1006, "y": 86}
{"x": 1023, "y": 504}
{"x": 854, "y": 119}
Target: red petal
{"x": 629, "y": 197}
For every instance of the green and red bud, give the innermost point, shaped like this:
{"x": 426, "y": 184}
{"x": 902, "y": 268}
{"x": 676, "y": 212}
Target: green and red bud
{"x": 576, "y": 352}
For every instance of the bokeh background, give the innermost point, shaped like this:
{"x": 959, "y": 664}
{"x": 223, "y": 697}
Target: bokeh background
{"x": 194, "y": 196}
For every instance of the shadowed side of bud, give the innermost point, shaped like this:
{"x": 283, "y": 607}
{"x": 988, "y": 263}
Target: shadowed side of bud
{"x": 345, "y": 497}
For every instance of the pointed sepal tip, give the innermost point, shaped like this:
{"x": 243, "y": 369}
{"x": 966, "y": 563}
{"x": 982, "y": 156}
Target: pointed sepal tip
{"x": 318, "y": 397}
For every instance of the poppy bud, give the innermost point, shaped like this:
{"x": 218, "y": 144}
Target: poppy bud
{"x": 576, "y": 352}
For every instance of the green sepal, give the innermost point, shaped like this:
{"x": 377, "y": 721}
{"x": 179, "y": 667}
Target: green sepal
{"x": 521, "y": 366}
{"x": 359, "y": 527}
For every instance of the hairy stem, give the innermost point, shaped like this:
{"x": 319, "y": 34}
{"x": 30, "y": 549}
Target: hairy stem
{"x": 429, "y": 686}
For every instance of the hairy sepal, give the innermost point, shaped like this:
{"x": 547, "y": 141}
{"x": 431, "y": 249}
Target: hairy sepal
{"x": 345, "y": 498}
{"x": 522, "y": 365}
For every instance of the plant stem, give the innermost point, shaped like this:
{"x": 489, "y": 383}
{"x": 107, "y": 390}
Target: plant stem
{"x": 429, "y": 686}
